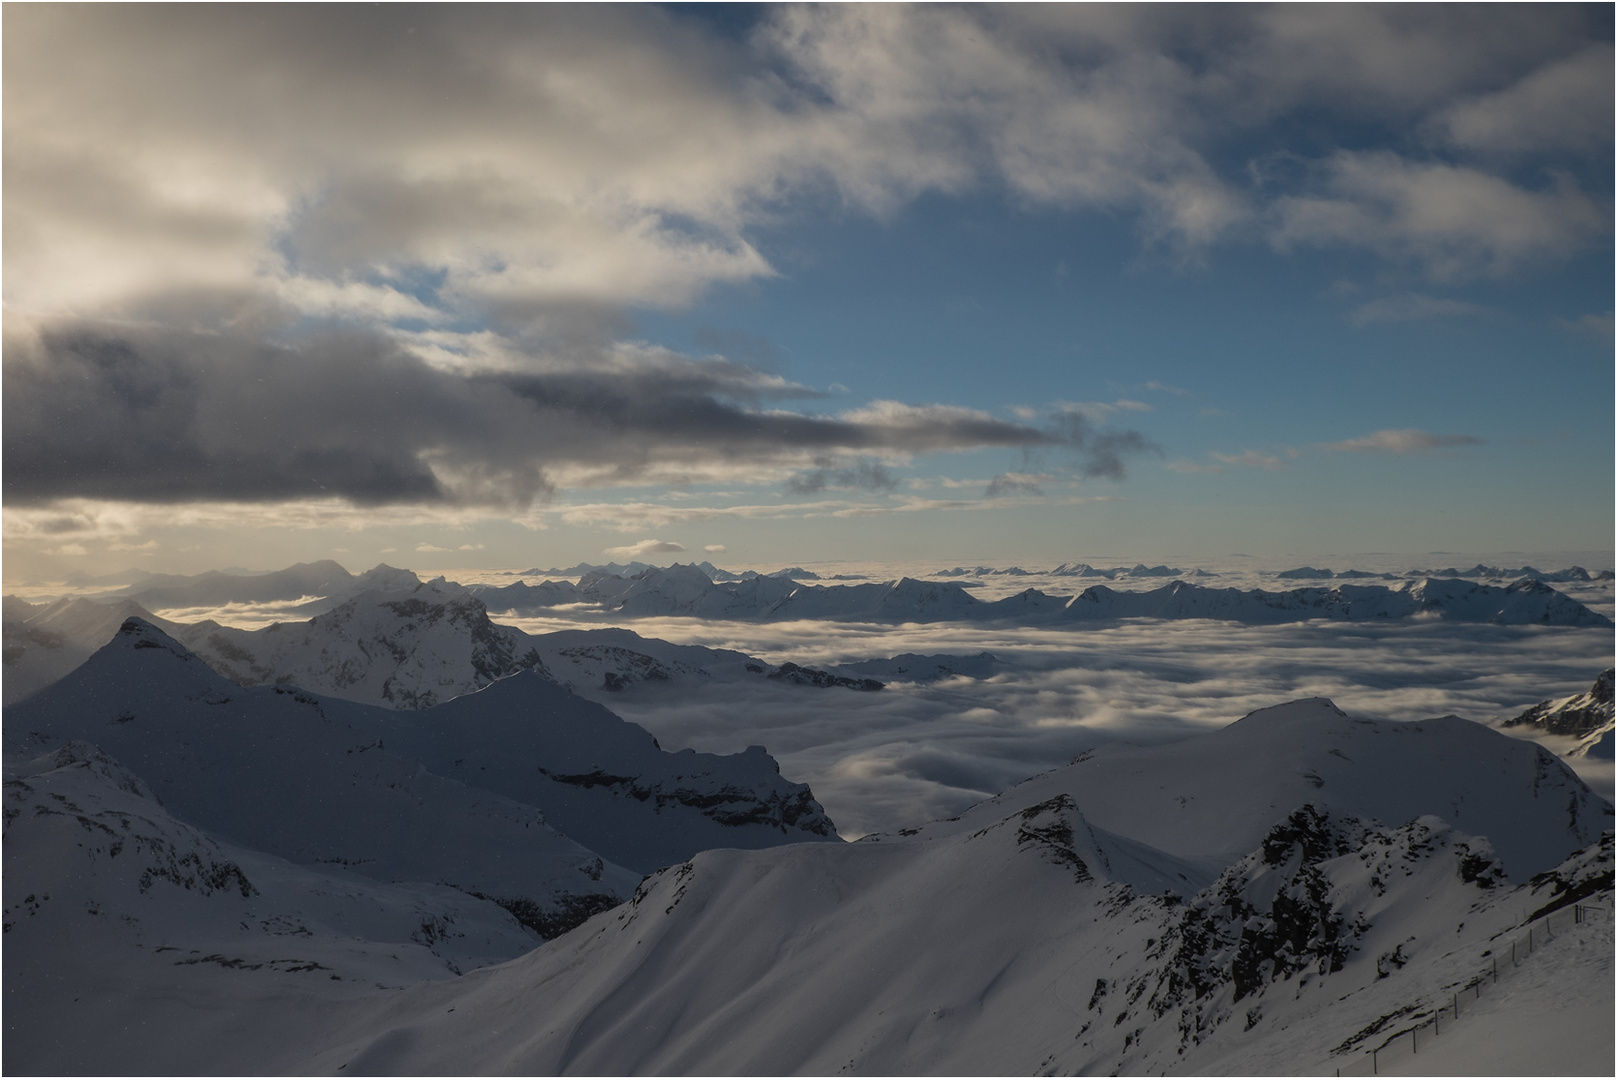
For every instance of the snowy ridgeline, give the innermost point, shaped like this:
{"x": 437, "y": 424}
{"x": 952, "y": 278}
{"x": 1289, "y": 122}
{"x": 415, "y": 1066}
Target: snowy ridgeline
{"x": 524, "y": 793}
{"x": 442, "y": 642}
{"x": 1279, "y": 896}
{"x": 705, "y": 591}
{"x": 410, "y": 645}
{"x": 690, "y": 591}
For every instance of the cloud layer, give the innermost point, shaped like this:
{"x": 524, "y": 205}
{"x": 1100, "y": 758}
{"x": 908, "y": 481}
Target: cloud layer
{"x": 385, "y": 254}
{"x": 915, "y": 752}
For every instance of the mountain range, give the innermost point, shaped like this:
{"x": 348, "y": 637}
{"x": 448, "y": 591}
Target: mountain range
{"x": 1278, "y": 896}
{"x": 688, "y": 591}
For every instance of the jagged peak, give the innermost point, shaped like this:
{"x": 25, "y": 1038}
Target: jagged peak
{"x": 137, "y": 633}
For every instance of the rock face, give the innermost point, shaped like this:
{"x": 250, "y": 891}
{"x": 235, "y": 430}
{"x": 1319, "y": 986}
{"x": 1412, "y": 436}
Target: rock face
{"x": 1587, "y": 717}
{"x": 1582, "y": 714}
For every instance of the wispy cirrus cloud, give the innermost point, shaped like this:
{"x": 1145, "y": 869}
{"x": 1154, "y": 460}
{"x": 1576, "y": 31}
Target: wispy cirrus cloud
{"x": 1410, "y": 307}
{"x": 1401, "y": 441}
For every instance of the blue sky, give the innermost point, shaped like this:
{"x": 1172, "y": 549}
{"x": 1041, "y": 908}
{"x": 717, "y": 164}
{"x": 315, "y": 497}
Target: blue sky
{"x": 521, "y": 286}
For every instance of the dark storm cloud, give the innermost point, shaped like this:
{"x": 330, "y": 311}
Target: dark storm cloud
{"x": 164, "y": 416}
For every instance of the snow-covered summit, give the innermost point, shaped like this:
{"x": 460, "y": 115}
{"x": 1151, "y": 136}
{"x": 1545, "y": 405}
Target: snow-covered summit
{"x": 1586, "y": 718}
{"x": 688, "y": 591}
{"x": 1072, "y": 947}
{"x": 308, "y": 779}
{"x": 1215, "y": 795}
{"x": 406, "y": 644}
{"x": 524, "y": 743}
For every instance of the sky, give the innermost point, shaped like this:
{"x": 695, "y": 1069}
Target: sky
{"x": 532, "y": 285}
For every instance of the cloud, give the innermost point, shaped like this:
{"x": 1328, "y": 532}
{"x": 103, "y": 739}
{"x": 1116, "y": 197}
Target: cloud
{"x": 642, "y": 549}
{"x": 1455, "y": 222}
{"x": 1011, "y": 483}
{"x": 1247, "y": 458}
{"x": 1567, "y": 104}
{"x": 714, "y": 549}
{"x": 1409, "y": 307}
{"x": 1598, "y": 328}
{"x": 400, "y": 276}
{"x": 418, "y": 164}
{"x": 917, "y": 752}
{"x": 1402, "y": 441}
{"x": 864, "y": 474}
{"x": 165, "y": 416}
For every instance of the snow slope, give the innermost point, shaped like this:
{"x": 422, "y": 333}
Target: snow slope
{"x": 308, "y": 780}
{"x": 1027, "y": 936}
{"x": 92, "y": 854}
{"x": 53, "y": 639}
{"x": 1022, "y": 938}
{"x": 1215, "y": 796}
{"x": 407, "y": 647}
{"x": 1586, "y": 719}
{"x": 330, "y": 775}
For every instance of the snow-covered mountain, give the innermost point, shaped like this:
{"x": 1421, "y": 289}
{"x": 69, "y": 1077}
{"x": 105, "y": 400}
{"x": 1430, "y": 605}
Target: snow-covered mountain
{"x": 45, "y": 642}
{"x": 1586, "y": 719}
{"x": 407, "y": 647}
{"x": 411, "y": 645}
{"x": 309, "y": 780}
{"x": 1026, "y": 936}
{"x": 460, "y": 792}
{"x": 95, "y": 863}
{"x": 1521, "y": 603}
{"x": 1480, "y": 571}
{"x": 1275, "y": 897}
{"x": 688, "y": 591}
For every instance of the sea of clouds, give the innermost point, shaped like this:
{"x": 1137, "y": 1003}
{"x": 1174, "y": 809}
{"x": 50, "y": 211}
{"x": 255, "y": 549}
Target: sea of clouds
{"x": 914, "y": 751}
{"x": 918, "y": 751}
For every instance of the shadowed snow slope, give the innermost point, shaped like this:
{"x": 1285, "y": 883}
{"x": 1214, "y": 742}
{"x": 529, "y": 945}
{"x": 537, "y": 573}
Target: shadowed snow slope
{"x": 308, "y": 778}
{"x": 55, "y": 639}
{"x": 605, "y": 781}
{"x": 1214, "y": 796}
{"x": 1011, "y": 941}
{"x": 95, "y": 863}
{"x": 1313, "y": 883}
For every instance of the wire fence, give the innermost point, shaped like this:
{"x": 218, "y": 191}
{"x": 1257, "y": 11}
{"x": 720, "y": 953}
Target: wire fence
{"x": 1422, "y": 1026}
